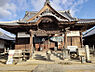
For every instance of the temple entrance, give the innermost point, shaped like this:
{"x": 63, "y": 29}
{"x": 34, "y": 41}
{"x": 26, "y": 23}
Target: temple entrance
{"x": 43, "y": 43}
{"x": 52, "y": 41}
{"x": 43, "y": 37}
{"x": 45, "y": 34}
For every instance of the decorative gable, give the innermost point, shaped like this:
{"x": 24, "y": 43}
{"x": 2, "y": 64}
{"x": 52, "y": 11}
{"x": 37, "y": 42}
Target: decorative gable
{"x": 47, "y": 10}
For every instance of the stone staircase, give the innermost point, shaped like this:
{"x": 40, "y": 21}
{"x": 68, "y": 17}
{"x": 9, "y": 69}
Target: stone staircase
{"x": 43, "y": 56}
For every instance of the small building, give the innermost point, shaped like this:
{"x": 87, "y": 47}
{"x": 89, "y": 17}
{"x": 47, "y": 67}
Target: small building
{"x": 89, "y": 38}
{"x": 6, "y": 41}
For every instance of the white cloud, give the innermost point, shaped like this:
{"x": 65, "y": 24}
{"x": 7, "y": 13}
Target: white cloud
{"x": 72, "y": 5}
{"x": 76, "y": 6}
{"x": 3, "y": 2}
{"x": 4, "y": 13}
{"x": 9, "y": 9}
{"x": 22, "y": 4}
{"x": 37, "y": 4}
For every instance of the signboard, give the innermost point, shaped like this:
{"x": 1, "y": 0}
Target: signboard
{"x": 57, "y": 39}
{"x": 22, "y": 35}
{"x": 10, "y": 57}
{"x": 81, "y": 52}
{"x": 17, "y": 53}
{"x": 72, "y": 33}
{"x": 13, "y": 54}
{"x": 72, "y": 48}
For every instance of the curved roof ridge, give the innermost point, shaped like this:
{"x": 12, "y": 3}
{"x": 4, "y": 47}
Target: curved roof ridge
{"x": 86, "y": 19}
{"x": 67, "y": 14}
{"x": 58, "y": 11}
{"x": 53, "y": 16}
{"x": 63, "y": 10}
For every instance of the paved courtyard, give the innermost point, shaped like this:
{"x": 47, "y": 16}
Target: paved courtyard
{"x": 49, "y": 68}
{"x": 39, "y": 63}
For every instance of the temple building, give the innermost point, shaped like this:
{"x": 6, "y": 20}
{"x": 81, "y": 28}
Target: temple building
{"x": 48, "y": 28}
{"x": 89, "y": 38}
{"x": 6, "y": 41}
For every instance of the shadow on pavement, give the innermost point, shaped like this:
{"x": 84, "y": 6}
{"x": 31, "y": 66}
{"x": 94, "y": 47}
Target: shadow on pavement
{"x": 3, "y": 58}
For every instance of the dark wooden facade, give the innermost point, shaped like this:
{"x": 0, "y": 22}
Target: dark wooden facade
{"x": 24, "y": 43}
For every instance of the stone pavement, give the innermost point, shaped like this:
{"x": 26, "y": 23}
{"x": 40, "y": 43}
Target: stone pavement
{"x": 39, "y": 63}
{"x": 17, "y": 67}
{"x": 50, "y": 68}
{"x": 64, "y": 68}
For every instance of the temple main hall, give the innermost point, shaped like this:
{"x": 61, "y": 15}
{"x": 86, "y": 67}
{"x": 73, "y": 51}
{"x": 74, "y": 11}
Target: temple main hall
{"x": 48, "y": 29}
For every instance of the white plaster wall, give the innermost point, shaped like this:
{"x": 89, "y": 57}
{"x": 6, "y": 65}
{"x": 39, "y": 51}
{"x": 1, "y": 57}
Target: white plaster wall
{"x": 22, "y": 35}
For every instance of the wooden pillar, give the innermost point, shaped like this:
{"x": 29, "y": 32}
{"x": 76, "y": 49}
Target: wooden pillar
{"x": 62, "y": 42}
{"x": 81, "y": 41}
{"x": 65, "y": 39}
{"x": 48, "y": 46}
{"x": 93, "y": 50}
{"x": 31, "y": 43}
{"x": 16, "y": 47}
{"x": 93, "y": 47}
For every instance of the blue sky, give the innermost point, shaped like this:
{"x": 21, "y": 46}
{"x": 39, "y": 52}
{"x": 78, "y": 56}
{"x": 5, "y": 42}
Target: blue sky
{"x": 15, "y": 9}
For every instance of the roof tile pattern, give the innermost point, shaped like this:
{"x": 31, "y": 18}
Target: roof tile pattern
{"x": 91, "y": 32}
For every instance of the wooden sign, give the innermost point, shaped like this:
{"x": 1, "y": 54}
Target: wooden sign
{"x": 81, "y": 52}
{"x": 18, "y": 53}
{"x": 47, "y": 32}
{"x": 12, "y": 55}
{"x": 72, "y": 48}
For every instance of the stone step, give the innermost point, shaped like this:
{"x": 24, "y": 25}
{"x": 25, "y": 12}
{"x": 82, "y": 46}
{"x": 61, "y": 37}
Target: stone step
{"x": 43, "y": 55}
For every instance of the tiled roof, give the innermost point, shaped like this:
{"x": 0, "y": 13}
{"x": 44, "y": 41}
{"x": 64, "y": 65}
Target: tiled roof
{"x": 89, "y": 33}
{"x": 10, "y": 23}
{"x": 65, "y": 14}
{"x": 5, "y": 36}
{"x": 29, "y": 15}
{"x": 50, "y": 14}
{"x": 86, "y": 21}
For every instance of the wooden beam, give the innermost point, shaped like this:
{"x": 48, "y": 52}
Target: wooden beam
{"x": 16, "y": 41}
{"x": 47, "y": 32}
